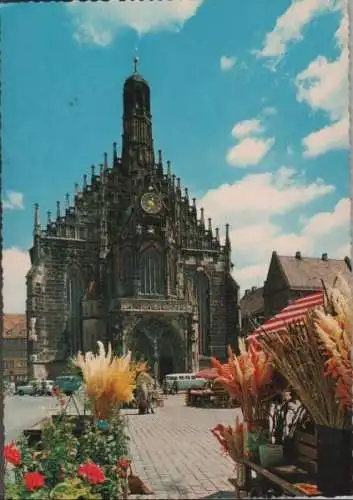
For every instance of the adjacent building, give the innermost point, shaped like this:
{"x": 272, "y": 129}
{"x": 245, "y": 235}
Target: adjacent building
{"x": 14, "y": 355}
{"x": 288, "y": 278}
{"x": 131, "y": 260}
{"x": 252, "y": 309}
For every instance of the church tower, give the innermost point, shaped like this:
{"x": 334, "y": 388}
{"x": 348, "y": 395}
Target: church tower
{"x": 131, "y": 261}
{"x": 137, "y": 150}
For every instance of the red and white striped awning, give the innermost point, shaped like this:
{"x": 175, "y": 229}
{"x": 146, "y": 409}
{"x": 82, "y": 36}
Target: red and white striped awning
{"x": 296, "y": 311}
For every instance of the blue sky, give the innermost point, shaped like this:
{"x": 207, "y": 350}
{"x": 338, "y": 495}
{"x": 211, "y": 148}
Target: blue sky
{"x": 249, "y": 102}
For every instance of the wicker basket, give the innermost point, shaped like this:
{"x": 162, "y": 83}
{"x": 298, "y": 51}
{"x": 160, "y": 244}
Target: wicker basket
{"x": 271, "y": 455}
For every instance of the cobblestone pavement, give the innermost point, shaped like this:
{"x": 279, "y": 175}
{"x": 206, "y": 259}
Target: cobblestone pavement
{"x": 174, "y": 452}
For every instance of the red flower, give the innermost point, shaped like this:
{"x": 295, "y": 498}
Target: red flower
{"x": 12, "y": 454}
{"x": 124, "y": 464}
{"x": 33, "y": 480}
{"x": 55, "y": 392}
{"x": 92, "y": 473}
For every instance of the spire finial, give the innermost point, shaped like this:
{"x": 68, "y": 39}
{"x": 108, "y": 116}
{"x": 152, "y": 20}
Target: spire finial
{"x": 136, "y": 61}
{"x": 202, "y": 216}
{"x": 67, "y": 201}
{"x": 217, "y": 235}
{"x": 36, "y": 219}
{"x": 227, "y": 240}
{"x": 210, "y": 225}
{"x": 49, "y": 217}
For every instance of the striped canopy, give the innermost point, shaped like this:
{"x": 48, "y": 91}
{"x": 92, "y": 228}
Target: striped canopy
{"x": 296, "y": 311}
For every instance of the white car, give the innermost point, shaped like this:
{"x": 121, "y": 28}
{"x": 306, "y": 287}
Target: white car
{"x": 50, "y": 386}
{"x": 29, "y": 389}
{"x": 45, "y": 387}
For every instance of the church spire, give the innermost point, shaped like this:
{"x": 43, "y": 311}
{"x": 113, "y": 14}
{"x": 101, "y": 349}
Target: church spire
{"x": 136, "y": 61}
{"x": 137, "y": 147}
{"x": 36, "y": 224}
{"x": 36, "y": 234}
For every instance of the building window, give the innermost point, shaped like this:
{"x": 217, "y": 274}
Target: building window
{"x": 152, "y": 272}
{"x": 203, "y": 299}
{"x": 127, "y": 265}
{"x": 8, "y": 364}
{"x": 74, "y": 294}
{"x": 172, "y": 273}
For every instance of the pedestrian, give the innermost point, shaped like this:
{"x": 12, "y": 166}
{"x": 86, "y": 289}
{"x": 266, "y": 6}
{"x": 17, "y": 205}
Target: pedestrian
{"x": 165, "y": 387}
{"x": 175, "y": 387}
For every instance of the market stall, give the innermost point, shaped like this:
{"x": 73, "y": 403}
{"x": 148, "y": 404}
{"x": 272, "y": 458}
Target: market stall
{"x": 298, "y": 444}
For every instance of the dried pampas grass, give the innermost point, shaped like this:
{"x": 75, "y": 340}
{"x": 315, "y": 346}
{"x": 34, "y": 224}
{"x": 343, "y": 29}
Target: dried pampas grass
{"x": 315, "y": 357}
{"x": 109, "y": 379}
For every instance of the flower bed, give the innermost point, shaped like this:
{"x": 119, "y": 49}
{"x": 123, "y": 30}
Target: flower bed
{"x": 62, "y": 466}
{"x": 82, "y": 456}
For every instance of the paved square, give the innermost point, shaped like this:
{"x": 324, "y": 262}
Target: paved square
{"x": 175, "y": 453}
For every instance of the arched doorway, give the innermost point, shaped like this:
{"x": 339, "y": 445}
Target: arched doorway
{"x": 158, "y": 342}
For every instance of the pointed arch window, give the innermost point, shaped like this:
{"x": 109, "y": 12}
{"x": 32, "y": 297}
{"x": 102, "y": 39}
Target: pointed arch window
{"x": 202, "y": 286}
{"x": 74, "y": 295}
{"x": 127, "y": 264}
{"x": 152, "y": 272}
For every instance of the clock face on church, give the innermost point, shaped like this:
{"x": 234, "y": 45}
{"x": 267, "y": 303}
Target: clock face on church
{"x": 151, "y": 203}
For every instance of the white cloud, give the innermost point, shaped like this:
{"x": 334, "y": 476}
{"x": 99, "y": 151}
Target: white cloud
{"x": 250, "y": 151}
{"x": 257, "y": 207}
{"x": 99, "y": 22}
{"x": 258, "y": 196}
{"x": 249, "y": 276}
{"x": 342, "y": 252}
{"x": 247, "y": 127}
{"x": 323, "y": 86}
{"x": 227, "y": 63}
{"x": 324, "y": 232}
{"x": 15, "y": 263}
{"x": 13, "y": 201}
{"x": 290, "y": 25}
{"x": 333, "y": 136}
{"x": 269, "y": 111}
{"x": 323, "y": 223}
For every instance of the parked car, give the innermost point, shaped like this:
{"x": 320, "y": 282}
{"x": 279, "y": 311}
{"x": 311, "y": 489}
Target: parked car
{"x": 29, "y": 389}
{"x": 184, "y": 381}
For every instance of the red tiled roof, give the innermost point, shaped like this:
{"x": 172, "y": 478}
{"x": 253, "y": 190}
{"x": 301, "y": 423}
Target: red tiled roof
{"x": 307, "y": 273}
{"x": 15, "y": 325}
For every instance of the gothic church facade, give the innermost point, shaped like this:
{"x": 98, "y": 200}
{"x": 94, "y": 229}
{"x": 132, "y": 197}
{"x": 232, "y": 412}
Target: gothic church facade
{"x": 131, "y": 261}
